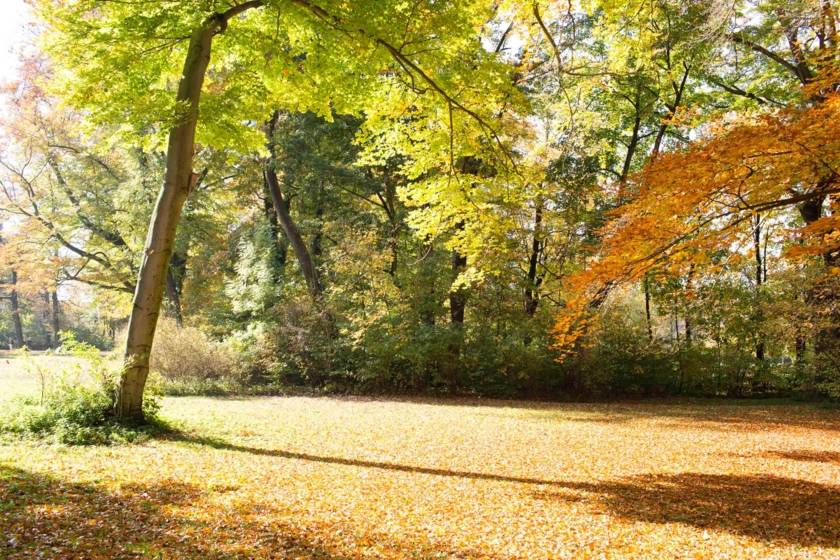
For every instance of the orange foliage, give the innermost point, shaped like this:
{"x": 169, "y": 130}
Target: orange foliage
{"x": 299, "y": 478}
{"x": 694, "y": 202}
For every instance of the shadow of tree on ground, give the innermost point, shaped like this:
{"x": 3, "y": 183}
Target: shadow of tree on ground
{"x": 807, "y": 455}
{"x": 283, "y": 454}
{"x": 41, "y": 517}
{"x": 723, "y": 417}
{"x": 762, "y": 507}
{"x": 767, "y": 508}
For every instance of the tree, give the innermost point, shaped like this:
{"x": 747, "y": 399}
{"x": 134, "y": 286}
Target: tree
{"x": 281, "y": 206}
{"x": 706, "y": 198}
{"x": 334, "y": 35}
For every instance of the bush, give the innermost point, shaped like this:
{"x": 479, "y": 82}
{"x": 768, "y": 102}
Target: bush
{"x": 297, "y": 346}
{"x": 828, "y": 367}
{"x": 71, "y": 414}
{"x": 190, "y": 362}
{"x": 398, "y": 357}
{"x": 75, "y": 405}
{"x": 395, "y": 355}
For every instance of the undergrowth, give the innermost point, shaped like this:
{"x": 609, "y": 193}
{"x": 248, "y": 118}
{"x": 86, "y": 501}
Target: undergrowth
{"x": 74, "y": 404}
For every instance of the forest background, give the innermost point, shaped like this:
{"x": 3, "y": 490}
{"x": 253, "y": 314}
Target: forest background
{"x": 567, "y": 200}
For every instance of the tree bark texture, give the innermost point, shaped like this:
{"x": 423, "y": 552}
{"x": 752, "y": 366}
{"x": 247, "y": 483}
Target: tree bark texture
{"x": 178, "y": 179}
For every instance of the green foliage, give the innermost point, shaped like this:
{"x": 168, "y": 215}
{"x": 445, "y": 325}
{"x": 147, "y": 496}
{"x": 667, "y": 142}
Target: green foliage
{"x": 74, "y": 406}
{"x": 254, "y": 288}
{"x": 418, "y": 154}
{"x": 827, "y": 373}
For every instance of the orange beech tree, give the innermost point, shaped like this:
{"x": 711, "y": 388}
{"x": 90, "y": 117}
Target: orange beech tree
{"x": 704, "y": 199}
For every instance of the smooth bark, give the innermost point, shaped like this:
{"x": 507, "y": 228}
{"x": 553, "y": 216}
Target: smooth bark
{"x": 178, "y": 180}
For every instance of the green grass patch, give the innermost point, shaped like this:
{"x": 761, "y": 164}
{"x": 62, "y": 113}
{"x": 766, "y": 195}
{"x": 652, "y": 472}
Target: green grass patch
{"x": 67, "y": 399}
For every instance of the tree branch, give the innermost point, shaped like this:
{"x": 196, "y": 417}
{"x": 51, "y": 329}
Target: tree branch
{"x": 739, "y": 38}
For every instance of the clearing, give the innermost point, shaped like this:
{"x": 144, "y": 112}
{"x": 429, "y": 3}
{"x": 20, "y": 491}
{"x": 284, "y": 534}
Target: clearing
{"x": 368, "y": 478}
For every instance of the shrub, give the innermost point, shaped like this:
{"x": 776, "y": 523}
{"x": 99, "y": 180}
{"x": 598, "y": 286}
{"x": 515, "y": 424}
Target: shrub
{"x": 190, "y": 362}
{"x": 297, "y": 346}
{"x": 828, "y": 367}
{"x": 395, "y": 356}
{"x": 74, "y": 405}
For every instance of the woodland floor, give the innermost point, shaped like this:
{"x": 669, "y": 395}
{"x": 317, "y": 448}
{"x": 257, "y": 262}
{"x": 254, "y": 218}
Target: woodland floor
{"x": 369, "y": 478}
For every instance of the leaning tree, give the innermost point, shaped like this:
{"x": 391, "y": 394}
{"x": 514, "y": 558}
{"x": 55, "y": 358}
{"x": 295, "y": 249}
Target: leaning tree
{"x": 397, "y": 60}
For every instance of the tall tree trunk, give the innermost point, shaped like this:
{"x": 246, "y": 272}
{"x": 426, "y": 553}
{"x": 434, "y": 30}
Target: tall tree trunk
{"x": 51, "y": 335}
{"x": 281, "y": 206}
{"x": 301, "y": 251}
{"x": 628, "y": 158}
{"x": 646, "y": 285}
{"x": 687, "y": 310}
{"x": 51, "y": 314}
{"x": 457, "y": 309}
{"x": 15, "y": 305}
{"x": 178, "y": 179}
{"x": 759, "y": 281}
{"x": 791, "y": 31}
{"x": 534, "y": 279}
{"x": 174, "y": 296}
{"x": 279, "y": 242}
{"x": 395, "y": 256}
{"x": 800, "y": 347}
{"x": 679, "y": 89}
{"x": 676, "y": 328}
{"x": 458, "y": 296}
{"x": 55, "y": 316}
{"x": 468, "y": 165}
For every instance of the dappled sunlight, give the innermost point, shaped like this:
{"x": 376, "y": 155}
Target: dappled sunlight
{"x": 160, "y": 520}
{"x": 295, "y": 477}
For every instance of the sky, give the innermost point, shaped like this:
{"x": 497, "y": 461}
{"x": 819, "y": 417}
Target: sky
{"x": 13, "y": 33}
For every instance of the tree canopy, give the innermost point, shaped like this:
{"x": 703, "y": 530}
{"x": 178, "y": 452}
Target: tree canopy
{"x": 502, "y": 197}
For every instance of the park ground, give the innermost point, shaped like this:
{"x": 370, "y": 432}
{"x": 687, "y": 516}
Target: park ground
{"x": 334, "y": 478}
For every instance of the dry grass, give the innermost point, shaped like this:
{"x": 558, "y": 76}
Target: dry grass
{"x": 357, "y": 478}
{"x": 19, "y": 374}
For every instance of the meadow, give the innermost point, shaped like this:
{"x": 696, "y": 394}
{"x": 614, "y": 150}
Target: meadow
{"x": 302, "y": 477}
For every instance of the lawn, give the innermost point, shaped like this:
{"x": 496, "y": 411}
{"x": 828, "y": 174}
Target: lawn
{"x": 336, "y": 478}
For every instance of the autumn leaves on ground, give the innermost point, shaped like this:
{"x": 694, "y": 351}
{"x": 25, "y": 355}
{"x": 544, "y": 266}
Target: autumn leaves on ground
{"x": 293, "y": 477}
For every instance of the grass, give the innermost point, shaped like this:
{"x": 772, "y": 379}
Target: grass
{"x": 330, "y": 478}
{"x": 22, "y": 373}
{"x": 16, "y": 377}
